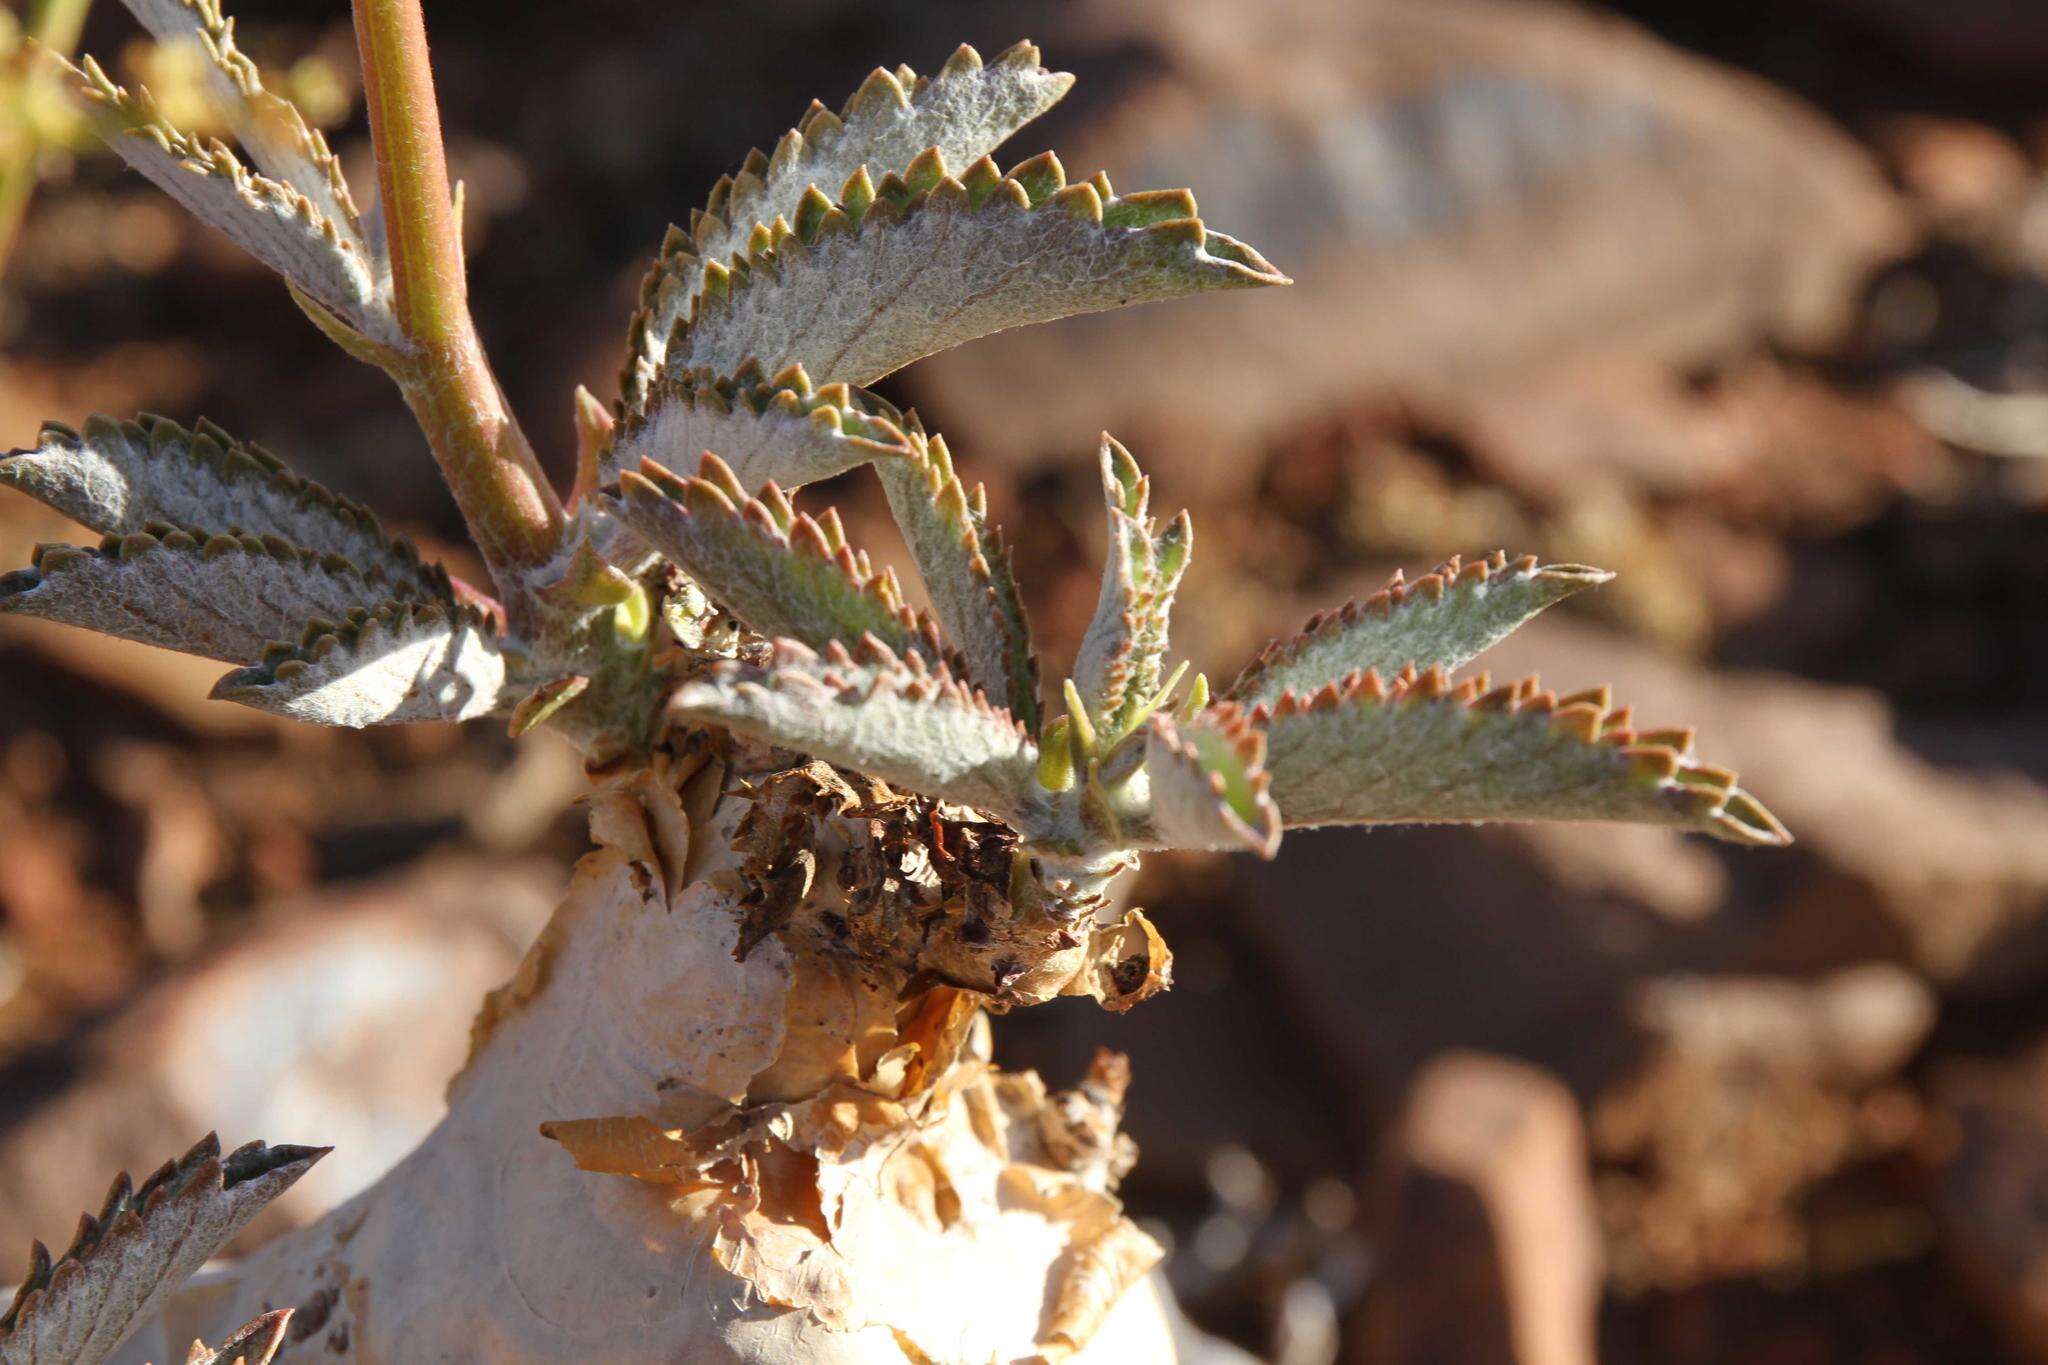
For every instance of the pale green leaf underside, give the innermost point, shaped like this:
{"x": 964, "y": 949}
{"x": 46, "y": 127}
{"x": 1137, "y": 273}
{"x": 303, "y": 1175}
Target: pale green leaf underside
{"x": 966, "y": 573}
{"x": 271, "y": 220}
{"x": 400, "y": 663}
{"x": 781, "y": 430}
{"x": 218, "y": 596}
{"x": 144, "y": 1243}
{"x": 1205, "y": 787}
{"x": 117, "y": 477}
{"x": 781, "y": 572}
{"x": 1443, "y": 619}
{"x": 929, "y": 266}
{"x": 1423, "y": 751}
{"x": 913, "y": 726}
{"x": 966, "y": 112}
{"x": 1118, "y": 667}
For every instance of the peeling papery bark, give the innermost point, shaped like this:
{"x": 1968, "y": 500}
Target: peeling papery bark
{"x": 668, "y": 1146}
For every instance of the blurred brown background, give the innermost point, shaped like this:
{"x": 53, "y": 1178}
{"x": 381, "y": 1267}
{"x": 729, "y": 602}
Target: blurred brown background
{"x": 1749, "y": 303}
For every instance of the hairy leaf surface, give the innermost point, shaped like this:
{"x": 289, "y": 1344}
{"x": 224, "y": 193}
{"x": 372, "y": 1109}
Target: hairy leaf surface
{"x": 1443, "y": 619}
{"x": 397, "y": 663}
{"x": 1118, "y": 667}
{"x": 1420, "y": 750}
{"x": 783, "y": 430}
{"x": 925, "y": 261}
{"x": 896, "y": 718}
{"x": 224, "y": 597}
{"x": 270, "y": 127}
{"x": 966, "y": 111}
{"x": 144, "y": 1243}
{"x": 966, "y": 572}
{"x": 782, "y": 572}
{"x": 1207, "y": 786}
{"x": 270, "y": 219}
{"x": 117, "y": 477}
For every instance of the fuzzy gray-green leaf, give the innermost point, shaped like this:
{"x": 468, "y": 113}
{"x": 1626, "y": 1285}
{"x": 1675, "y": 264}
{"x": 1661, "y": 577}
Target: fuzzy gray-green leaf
{"x": 117, "y": 477}
{"x": 782, "y": 430}
{"x": 865, "y": 286}
{"x": 1443, "y": 619}
{"x": 914, "y": 726}
{"x": 966, "y": 573}
{"x": 220, "y": 596}
{"x": 782, "y": 572}
{"x": 145, "y": 1242}
{"x": 1421, "y": 750}
{"x": 271, "y": 128}
{"x": 1118, "y": 669}
{"x": 270, "y": 219}
{"x": 398, "y": 663}
{"x": 966, "y": 111}
{"x": 1206, "y": 786}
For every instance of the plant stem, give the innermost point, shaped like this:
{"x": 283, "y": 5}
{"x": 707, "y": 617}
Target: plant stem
{"x": 511, "y": 510}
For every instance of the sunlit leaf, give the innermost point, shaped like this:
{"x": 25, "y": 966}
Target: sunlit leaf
{"x": 783, "y": 430}
{"x": 1206, "y": 786}
{"x": 255, "y": 1343}
{"x": 143, "y": 1244}
{"x": 272, "y": 220}
{"x": 1118, "y": 669}
{"x": 1422, "y": 750}
{"x": 966, "y": 112}
{"x": 912, "y": 725}
{"x": 117, "y": 477}
{"x": 782, "y": 572}
{"x": 399, "y": 662}
{"x": 221, "y": 596}
{"x": 273, "y": 131}
{"x": 856, "y": 288}
{"x": 1442, "y": 619}
{"x": 966, "y": 572}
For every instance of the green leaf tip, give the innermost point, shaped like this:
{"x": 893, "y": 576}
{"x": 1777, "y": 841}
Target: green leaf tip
{"x": 1118, "y": 667}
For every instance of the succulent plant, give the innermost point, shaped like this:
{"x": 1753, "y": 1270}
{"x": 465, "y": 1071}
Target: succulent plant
{"x": 835, "y": 828}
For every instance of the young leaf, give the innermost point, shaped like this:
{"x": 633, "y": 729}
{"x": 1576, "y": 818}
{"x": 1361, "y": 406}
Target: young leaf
{"x": 966, "y": 572}
{"x": 269, "y": 126}
{"x": 1442, "y": 619}
{"x": 271, "y": 220}
{"x": 966, "y": 112}
{"x": 398, "y": 662}
{"x": 255, "y": 1343}
{"x": 781, "y": 430}
{"x": 144, "y": 1243}
{"x": 1207, "y": 786}
{"x": 1117, "y": 669}
{"x": 896, "y": 718}
{"x": 224, "y": 597}
{"x": 1420, "y": 750}
{"x": 117, "y": 477}
{"x": 782, "y": 572}
{"x": 925, "y": 262}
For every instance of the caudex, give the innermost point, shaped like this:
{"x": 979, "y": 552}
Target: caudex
{"x": 737, "y": 1103}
